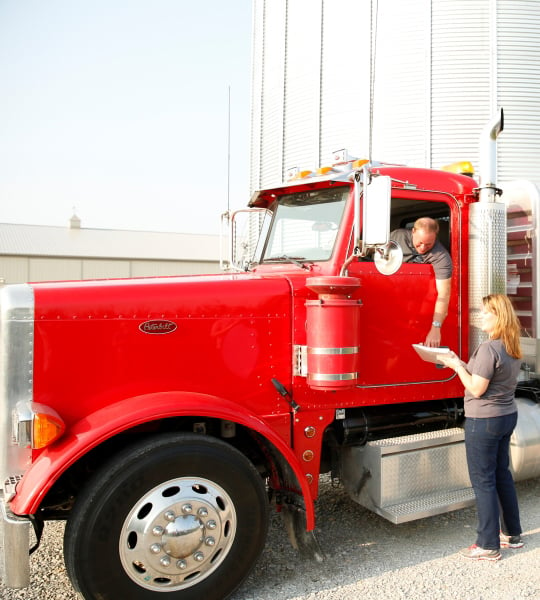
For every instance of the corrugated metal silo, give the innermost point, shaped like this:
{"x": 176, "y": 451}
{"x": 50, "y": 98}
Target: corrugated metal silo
{"x": 442, "y": 67}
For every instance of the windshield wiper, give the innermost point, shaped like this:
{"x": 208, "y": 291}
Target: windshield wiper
{"x": 286, "y": 258}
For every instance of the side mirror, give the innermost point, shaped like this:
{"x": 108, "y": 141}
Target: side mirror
{"x": 388, "y": 258}
{"x": 376, "y": 211}
{"x": 376, "y": 221}
{"x": 242, "y": 234}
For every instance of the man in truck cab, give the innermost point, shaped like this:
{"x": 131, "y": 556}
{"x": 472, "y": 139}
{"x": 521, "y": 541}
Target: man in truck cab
{"x": 421, "y": 245}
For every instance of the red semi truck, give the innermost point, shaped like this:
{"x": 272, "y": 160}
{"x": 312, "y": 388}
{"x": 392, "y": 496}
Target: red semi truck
{"x": 163, "y": 417}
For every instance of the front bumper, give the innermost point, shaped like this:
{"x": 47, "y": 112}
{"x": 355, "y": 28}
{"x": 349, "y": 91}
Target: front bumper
{"x": 14, "y": 544}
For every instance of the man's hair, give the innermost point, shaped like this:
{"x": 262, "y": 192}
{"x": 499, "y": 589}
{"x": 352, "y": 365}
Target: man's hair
{"x": 426, "y": 224}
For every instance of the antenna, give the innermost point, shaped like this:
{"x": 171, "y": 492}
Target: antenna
{"x": 229, "y": 150}
{"x": 373, "y": 52}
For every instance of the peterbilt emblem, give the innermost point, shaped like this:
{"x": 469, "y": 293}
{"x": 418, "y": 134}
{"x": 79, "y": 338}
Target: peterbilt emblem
{"x": 158, "y": 326}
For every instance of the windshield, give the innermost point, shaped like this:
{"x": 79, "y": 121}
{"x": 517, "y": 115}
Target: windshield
{"x": 305, "y": 225}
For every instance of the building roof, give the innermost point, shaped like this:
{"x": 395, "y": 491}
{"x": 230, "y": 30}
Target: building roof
{"x": 75, "y": 242}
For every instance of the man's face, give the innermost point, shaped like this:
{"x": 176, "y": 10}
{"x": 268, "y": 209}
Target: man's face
{"x": 423, "y": 240}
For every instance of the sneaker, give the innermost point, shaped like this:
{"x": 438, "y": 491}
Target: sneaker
{"x": 477, "y": 553}
{"x": 511, "y": 541}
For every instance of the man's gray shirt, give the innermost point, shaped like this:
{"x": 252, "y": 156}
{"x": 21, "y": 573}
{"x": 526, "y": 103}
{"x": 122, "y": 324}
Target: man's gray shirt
{"x": 438, "y": 256}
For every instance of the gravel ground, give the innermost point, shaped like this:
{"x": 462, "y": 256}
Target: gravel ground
{"x": 367, "y": 557}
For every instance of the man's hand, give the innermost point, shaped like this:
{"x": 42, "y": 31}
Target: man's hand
{"x": 433, "y": 339}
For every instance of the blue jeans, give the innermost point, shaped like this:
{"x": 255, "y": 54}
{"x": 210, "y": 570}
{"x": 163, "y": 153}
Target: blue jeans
{"x": 487, "y": 444}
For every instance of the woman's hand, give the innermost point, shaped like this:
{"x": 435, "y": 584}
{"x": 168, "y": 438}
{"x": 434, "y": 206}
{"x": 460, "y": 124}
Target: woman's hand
{"x": 474, "y": 384}
{"x": 451, "y": 360}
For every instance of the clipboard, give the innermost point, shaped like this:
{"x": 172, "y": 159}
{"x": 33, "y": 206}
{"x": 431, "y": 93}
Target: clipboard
{"x": 430, "y": 354}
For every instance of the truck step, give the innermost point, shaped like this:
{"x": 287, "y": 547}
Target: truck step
{"x": 427, "y": 506}
{"x": 410, "y": 477}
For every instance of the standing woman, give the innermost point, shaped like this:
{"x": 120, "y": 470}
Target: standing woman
{"x": 490, "y": 379}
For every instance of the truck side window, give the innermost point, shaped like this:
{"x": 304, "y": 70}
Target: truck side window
{"x": 405, "y": 212}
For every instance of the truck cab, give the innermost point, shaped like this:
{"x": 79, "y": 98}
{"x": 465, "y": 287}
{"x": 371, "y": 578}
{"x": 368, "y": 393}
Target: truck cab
{"x": 162, "y": 417}
{"x": 309, "y": 230}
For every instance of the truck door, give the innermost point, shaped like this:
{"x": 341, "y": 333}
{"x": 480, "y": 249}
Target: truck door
{"x": 397, "y": 310}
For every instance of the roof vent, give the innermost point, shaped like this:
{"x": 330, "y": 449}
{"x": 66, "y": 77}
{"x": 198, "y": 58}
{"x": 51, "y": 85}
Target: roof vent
{"x": 74, "y": 222}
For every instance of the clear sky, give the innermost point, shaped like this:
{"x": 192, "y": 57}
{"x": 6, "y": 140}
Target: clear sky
{"x": 118, "y": 109}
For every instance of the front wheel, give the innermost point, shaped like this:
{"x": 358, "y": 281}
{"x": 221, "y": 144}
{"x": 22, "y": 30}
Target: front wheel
{"x": 179, "y": 515}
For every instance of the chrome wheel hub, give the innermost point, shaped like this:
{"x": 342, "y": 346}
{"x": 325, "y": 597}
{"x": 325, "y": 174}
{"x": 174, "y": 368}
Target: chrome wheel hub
{"x": 177, "y": 534}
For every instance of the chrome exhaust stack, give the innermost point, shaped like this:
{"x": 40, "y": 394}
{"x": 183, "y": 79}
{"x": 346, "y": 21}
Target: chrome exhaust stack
{"x": 488, "y": 158}
{"x": 487, "y": 233}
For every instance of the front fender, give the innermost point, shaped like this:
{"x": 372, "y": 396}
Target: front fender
{"x": 116, "y": 418}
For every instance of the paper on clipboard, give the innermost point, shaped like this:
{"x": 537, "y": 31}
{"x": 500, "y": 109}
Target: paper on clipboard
{"x": 430, "y": 354}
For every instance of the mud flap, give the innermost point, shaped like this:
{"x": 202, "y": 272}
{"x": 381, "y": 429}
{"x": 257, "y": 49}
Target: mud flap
{"x": 302, "y": 540}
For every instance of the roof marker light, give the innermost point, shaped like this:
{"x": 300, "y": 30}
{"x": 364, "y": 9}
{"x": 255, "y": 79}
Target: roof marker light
{"x": 324, "y": 170}
{"x": 463, "y": 167}
{"x": 357, "y": 164}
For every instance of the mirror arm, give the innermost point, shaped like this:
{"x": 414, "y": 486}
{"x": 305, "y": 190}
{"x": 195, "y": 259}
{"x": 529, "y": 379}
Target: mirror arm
{"x": 356, "y": 227}
{"x": 345, "y": 268}
{"x": 361, "y": 181}
{"x": 359, "y": 247}
{"x": 366, "y": 178}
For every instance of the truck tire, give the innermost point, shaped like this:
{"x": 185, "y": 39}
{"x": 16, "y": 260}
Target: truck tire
{"x": 180, "y": 516}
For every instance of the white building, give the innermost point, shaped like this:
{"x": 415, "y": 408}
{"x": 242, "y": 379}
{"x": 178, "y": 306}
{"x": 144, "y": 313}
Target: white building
{"x": 441, "y": 68}
{"x": 41, "y": 253}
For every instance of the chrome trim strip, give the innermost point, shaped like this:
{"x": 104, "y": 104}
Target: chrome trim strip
{"x": 332, "y": 376}
{"x": 16, "y": 375}
{"x": 344, "y": 350}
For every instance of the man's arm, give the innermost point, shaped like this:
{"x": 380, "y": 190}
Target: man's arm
{"x": 433, "y": 338}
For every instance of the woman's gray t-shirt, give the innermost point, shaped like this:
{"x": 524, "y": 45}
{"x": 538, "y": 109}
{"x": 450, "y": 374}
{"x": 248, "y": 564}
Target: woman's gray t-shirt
{"x": 491, "y": 361}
